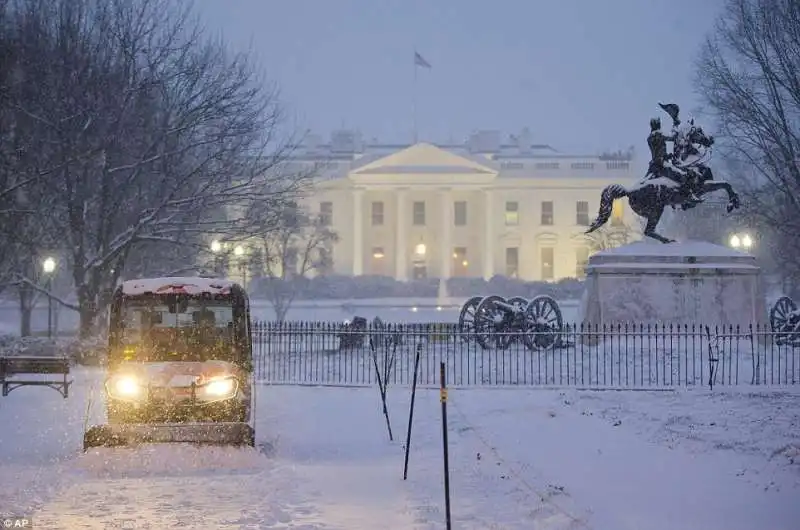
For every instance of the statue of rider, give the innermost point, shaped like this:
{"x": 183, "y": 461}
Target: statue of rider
{"x": 663, "y": 163}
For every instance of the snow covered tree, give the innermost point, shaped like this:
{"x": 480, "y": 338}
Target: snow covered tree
{"x": 610, "y": 236}
{"x": 145, "y": 132}
{"x": 707, "y": 222}
{"x": 297, "y": 245}
{"x": 749, "y": 76}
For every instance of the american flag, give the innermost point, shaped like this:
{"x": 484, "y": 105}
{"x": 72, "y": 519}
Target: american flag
{"x": 420, "y": 61}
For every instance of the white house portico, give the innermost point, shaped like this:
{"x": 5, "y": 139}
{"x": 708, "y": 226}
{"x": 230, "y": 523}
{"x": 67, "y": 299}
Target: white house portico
{"x": 432, "y": 211}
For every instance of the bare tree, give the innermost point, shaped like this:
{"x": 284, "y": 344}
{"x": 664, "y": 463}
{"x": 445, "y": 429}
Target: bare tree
{"x": 749, "y": 75}
{"x": 154, "y": 134}
{"x": 15, "y": 201}
{"x": 610, "y": 236}
{"x": 708, "y": 222}
{"x": 297, "y": 246}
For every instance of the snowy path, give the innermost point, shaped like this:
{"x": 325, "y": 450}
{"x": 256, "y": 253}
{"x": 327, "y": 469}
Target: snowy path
{"x": 340, "y": 452}
{"x": 176, "y": 487}
{"x": 166, "y": 486}
{"x": 320, "y": 469}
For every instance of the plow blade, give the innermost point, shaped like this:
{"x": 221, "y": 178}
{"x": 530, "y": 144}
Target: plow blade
{"x": 201, "y": 433}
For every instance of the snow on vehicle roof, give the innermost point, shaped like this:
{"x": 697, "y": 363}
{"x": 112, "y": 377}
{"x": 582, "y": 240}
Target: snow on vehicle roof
{"x": 173, "y": 285}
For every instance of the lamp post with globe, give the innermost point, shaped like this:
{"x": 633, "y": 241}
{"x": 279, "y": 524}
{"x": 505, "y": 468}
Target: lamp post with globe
{"x": 239, "y": 252}
{"x": 49, "y": 267}
{"x": 741, "y": 241}
{"x": 216, "y": 250}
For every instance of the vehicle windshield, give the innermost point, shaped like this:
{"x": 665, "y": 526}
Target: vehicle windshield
{"x": 193, "y": 330}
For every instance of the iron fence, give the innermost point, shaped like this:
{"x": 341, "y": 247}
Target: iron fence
{"x": 620, "y": 356}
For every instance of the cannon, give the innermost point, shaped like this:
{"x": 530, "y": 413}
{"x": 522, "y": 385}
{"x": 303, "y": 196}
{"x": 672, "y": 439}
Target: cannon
{"x": 353, "y": 333}
{"x": 784, "y": 320}
{"x": 496, "y": 321}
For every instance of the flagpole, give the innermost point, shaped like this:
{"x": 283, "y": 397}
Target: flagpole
{"x": 414, "y": 98}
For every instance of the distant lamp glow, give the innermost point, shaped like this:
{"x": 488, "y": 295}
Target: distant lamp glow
{"x": 238, "y": 250}
{"x": 741, "y": 241}
{"x": 216, "y": 246}
{"x": 49, "y": 265}
{"x": 377, "y": 254}
{"x": 465, "y": 263}
{"x": 420, "y": 249}
{"x": 413, "y": 309}
{"x": 438, "y": 308}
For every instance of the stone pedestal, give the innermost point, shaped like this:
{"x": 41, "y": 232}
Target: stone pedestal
{"x": 682, "y": 283}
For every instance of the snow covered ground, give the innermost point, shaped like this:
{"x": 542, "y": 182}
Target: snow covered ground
{"x": 520, "y": 459}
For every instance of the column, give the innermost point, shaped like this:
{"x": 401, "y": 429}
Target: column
{"x": 400, "y": 250}
{"x": 488, "y": 234}
{"x": 447, "y": 234}
{"x": 358, "y": 232}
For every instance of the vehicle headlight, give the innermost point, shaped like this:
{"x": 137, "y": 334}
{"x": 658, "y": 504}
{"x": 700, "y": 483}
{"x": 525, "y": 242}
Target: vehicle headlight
{"x": 220, "y": 388}
{"x": 125, "y": 387}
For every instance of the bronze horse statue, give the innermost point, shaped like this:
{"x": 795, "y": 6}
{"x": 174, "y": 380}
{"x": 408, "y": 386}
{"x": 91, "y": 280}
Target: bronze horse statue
{"x": 652, "y": 194}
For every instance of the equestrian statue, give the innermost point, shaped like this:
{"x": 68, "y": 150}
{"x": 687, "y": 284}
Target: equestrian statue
{"x": 674, "y": 178}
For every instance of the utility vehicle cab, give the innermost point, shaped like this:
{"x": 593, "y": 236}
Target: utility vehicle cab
{"x": 179, "y": 363}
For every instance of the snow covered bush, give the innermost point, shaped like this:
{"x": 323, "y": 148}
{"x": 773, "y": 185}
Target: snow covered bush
{"x": 336, "y": 287}
{"x": 87, "y": 352}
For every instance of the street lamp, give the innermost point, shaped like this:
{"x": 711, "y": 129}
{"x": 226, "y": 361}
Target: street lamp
{"x": 49, "y": 266}
{"x": 743, "y": 241}
{"x": 238, "y": 251}
{"x": 216, "y": 249}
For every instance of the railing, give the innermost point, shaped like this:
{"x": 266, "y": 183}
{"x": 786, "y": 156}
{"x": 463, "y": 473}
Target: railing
{"x": 624, "y": 356}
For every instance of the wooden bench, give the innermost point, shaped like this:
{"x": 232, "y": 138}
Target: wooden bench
{"x": 10, "y": 367}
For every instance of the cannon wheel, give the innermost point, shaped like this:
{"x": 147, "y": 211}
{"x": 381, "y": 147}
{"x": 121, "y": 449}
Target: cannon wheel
{"x": 466, "y": 319}
{"x": 487, "y": 317}
{"x": 779, "y": 320}
{"x": 545, "y": 323}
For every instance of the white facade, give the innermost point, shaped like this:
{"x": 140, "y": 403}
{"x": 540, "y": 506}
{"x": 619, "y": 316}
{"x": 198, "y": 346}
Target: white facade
{"x": 426, "y": 210}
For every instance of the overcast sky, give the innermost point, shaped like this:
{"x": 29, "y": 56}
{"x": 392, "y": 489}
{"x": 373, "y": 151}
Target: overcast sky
{"x": 583, "y": 75}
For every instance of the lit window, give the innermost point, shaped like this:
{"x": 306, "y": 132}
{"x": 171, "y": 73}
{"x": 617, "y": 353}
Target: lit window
{"x": 512, "y": 213}
{"x": 617, "y": 213}
{"x": 460, "y": 263}
{"x": 548, "y": 263}
{"x": 378, "y": 262}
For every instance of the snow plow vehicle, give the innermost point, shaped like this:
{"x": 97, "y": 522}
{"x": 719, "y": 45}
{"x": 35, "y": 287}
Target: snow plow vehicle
{"x": 180, "y": 366}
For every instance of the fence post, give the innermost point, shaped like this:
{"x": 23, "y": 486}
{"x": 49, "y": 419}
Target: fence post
{"x": 713, "y": 356}
{"x": 443, "y": 397}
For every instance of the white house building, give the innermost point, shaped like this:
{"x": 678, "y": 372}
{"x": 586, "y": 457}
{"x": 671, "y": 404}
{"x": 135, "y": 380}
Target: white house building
{"x": 481, "y": 209}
